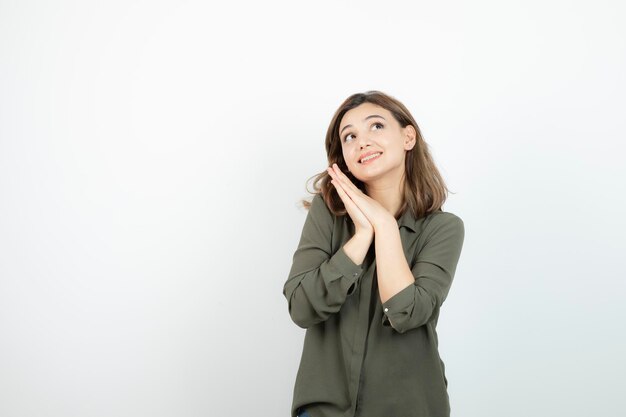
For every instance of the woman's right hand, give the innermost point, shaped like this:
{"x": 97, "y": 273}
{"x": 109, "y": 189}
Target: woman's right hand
{"x": 362, "y": 225}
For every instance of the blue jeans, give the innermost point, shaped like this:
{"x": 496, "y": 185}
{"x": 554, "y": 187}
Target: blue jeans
{"x": 302, "y": 413}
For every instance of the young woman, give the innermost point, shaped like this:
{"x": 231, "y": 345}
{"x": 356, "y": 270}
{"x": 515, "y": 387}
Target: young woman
{"x": 375, "y": 262}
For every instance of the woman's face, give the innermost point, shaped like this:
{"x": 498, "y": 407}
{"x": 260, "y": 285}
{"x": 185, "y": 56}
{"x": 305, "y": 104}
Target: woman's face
{"x": 367, "y": 129}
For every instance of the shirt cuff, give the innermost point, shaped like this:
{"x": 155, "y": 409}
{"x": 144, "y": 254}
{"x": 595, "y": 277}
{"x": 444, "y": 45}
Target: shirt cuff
{"x": 399, "y": 306}
{"x": 350, "y": 272}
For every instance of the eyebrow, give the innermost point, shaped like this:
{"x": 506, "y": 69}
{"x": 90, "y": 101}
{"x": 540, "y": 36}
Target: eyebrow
{"x": 368, "y": 117}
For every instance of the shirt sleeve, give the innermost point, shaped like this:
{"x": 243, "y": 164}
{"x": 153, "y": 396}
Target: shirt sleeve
{"x": 434, "y": 271}
{"x": 319, "y": 281}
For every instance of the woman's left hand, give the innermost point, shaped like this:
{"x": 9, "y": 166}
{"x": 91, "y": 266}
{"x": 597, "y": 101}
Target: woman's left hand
{"x": 372, "y": 209}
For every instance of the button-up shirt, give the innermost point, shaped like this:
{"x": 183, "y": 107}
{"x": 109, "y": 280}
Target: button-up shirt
{"x": 361, "y": 357}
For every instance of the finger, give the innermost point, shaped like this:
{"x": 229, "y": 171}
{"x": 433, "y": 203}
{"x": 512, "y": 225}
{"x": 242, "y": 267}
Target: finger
{"x": 349, "y": 187}
{"x": 345, "y": 188}
{"x": 345, "y": 197}
{"x": 345, "y": 180}
{"x": 352, "y": 207}
{"x": 350, "y": 191}
{"x": 339, "y": 188}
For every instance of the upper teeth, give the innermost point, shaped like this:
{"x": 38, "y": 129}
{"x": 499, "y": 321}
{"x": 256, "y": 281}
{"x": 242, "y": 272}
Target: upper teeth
{"x": 374, "y": 155}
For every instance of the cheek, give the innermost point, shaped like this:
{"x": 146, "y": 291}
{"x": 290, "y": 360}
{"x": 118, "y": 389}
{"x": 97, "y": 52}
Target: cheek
{"x": 348, "y": 156}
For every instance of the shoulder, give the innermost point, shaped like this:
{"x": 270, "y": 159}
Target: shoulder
{"x": 317, "y": 199}
{"x": 319, "y": 210}
{"x": 318, "y": 203}
{"x": 444, "y": 223}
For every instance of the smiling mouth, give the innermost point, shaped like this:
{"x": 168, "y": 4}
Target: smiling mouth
{"x": 371, "y": 159}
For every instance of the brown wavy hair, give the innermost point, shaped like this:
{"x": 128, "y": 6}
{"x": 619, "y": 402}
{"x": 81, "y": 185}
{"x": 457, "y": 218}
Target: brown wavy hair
{"x": 424, "y": 188}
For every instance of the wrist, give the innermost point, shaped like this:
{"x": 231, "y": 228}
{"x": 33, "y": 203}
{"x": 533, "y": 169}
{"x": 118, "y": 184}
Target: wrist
{"x": 389, "y": 223}
{"x": 363, "y": 234}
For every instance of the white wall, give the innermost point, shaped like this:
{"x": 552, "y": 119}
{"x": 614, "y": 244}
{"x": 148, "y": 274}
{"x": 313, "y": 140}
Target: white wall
{"x": 137, "y": 138}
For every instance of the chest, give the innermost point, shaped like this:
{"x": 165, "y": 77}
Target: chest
{"x": 412, "y": 241}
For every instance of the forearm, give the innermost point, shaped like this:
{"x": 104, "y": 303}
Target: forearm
{"x": 356, "y": 248}
{"x": 392, "y": 268}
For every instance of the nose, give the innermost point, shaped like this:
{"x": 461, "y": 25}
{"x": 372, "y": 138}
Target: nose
{"x": 363, "y": 140}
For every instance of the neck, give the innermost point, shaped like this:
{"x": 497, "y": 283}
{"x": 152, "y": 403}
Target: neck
{"x": 388, "y": 194}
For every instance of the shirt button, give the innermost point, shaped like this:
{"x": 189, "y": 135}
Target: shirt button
{"x": 386, "y": 310}
{"x": 355, "y": 274}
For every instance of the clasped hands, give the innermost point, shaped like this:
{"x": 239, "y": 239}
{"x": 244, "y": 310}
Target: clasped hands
{"x": 367, "y": 214}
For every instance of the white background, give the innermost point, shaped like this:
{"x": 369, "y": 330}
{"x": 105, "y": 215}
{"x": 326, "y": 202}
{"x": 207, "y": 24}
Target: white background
{"x": 153, "y": 154}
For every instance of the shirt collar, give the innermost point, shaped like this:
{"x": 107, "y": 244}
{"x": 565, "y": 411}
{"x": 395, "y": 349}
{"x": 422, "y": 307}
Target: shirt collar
{"x": 408, "y": 220}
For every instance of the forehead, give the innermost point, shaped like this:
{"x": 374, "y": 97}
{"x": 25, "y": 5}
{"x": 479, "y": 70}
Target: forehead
{"x": 357, "y": 114}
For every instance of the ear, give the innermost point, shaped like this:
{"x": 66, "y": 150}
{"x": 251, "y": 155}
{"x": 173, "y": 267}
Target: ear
{"x": 410, "y": 137}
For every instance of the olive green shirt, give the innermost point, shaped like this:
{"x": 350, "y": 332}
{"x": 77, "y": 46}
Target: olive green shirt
{"x": 361, "y": 358}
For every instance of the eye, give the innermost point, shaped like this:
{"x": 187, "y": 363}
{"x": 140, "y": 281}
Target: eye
{"x": 345, "y": 138}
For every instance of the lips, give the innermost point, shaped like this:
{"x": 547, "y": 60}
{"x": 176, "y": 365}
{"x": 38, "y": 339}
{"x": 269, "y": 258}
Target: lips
{"x": 368, "y": 154}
